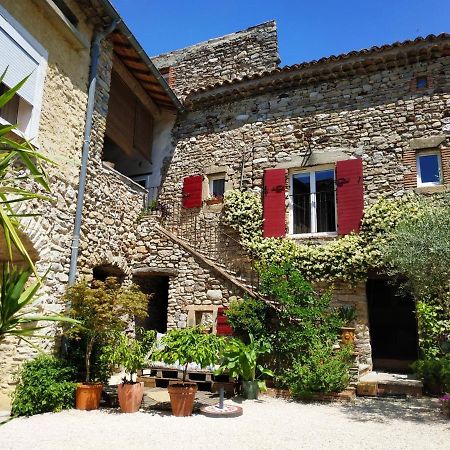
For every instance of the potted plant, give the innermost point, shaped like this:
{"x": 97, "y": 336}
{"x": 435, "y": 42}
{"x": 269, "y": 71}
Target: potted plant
{"x": 241, "y": 361}
{"x": 214, "y": 200}
{"x": 101, "y": 308}
{"x": 432, "y": 372}
{"x": 347, "y": 314}
{"x": 129, "y": 352}
{"x": 184, "y": 346}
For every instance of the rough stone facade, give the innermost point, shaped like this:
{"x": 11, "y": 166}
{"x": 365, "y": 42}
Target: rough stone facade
{"x": 246, "y": 52}
{"x": 60, "y": 137}
{"x": 378, "y": 116}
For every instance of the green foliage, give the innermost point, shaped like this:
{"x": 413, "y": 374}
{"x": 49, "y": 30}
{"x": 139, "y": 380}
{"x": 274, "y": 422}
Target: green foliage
{"x": 129, "y": 352}
{"x": 16, "y": 296}
{"x": 15, "y": 186}
{"x": 45, "y": 384}
{"x": 320, "y": 370}
{"x": 243, "y": 212}
{"x": 347, "y": 314}
{"x": 247, "y": 317}
{"x": 189, "y": 345}
{"x": 103, "y": 308}
{"x": 347, "y": 258}
{"x": 241, "y": 360}
{"x": 418, "y": 254}
{"x": 434, "y": 371}
{"x": 303, "y": 326}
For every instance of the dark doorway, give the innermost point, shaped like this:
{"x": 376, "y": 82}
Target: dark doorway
{"x": 158, "y": 289}
{"x": 393, "y": 327}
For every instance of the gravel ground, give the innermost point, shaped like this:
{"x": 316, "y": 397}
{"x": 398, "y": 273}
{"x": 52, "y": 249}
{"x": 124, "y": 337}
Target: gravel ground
{"x": 266, "y": 424}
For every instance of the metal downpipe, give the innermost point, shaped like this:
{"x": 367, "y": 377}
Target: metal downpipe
{"x": 95, "y": 55}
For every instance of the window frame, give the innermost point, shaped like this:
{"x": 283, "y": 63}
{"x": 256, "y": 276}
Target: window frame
{"x": 31, "y": 46}
{"x": 418, "y": 169}
{"x": 215, "y": 177}
{"x": 312, "y": 182}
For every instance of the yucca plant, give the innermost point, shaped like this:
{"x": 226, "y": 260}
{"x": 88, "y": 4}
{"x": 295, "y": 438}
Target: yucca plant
{"x": 17, "y": 154}
{"x": 16, "y": 294}
{"x": 21, "y": 175}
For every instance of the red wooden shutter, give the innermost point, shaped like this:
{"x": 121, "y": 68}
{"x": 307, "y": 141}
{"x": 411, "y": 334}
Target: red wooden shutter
{"x": 274, "y": 203}
{"x": 192, "y": 191}
{"x": 349, "y": 194}
{"x": 223, "y": 328}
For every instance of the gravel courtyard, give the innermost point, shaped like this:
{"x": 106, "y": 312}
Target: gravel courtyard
{"x": 266, "y": 424}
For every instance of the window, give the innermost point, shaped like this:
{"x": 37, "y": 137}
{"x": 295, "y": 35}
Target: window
{"x": 429, "y": 171}
{"x": 216, "y": 186}
{"x": 22, "y": 56}
{"x": 313, "y": 202}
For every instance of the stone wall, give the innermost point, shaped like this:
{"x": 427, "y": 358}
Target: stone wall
{"x": 246, "y": 52}
{"x": 60, "y": 137}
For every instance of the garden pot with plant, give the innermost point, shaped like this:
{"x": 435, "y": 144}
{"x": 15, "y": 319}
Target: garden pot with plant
{"x": 101, "y": 309}
{"x": 435, "y": 373}
{"x": 347, "y": 314}
{"x": 241, "y": 361}
{"x": 130, "y": 353}
{"x": 184, "y": 346}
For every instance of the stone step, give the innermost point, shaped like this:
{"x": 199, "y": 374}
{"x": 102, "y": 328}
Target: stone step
{"x": 389, "y": 384}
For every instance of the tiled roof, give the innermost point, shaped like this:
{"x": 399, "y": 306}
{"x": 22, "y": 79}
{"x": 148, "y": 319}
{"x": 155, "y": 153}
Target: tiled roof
{"x": 396, "y": 51}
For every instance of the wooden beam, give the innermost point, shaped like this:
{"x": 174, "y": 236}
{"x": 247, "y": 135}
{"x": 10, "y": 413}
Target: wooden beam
{"x": 136, "y": 87}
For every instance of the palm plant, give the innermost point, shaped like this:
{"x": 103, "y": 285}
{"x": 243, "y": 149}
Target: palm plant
{"x": 15, "y": 295}
{"x": 17, "y": 154}
{"x": 21, "y": 173}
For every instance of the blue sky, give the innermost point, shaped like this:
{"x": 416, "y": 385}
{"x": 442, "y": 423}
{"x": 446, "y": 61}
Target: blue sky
{"x": 307, "y": 30}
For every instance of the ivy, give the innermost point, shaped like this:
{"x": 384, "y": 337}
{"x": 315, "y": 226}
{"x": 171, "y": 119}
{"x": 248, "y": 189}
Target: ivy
{"x": 347, "y": 258}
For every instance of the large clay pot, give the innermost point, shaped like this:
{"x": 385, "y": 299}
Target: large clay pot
{"x": 182, "y": 396}
{"x": 88, "y": 396}
{"x": 130, "y": 396}
{"x": 250, "y": 389}
{"x": 347, "y": 335}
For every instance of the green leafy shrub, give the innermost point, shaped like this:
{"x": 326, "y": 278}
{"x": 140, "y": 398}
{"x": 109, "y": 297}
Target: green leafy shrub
{"x": 241, "y": 360}
{"x": 434, "y": 371}
{"x": 247, "y": 317}
{"x": 189, "y": 345}
{"x": 321, "y": 370}
{"x": 45, "y": 384}
{"x": 102, "y": 308}
{"x": 129, "y": 352}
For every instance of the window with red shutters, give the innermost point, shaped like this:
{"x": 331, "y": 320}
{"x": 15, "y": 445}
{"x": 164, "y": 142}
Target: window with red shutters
{"x": 192, "y": 191}
{"x": 349, "y": 195}
{"x": 274, "y": 203}
{"x": 223, "y": 328}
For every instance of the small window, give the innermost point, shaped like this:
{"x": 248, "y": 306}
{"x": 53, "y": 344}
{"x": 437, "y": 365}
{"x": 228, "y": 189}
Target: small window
{"x": 313, "y": 202}
{"x": 421, "y": 82}
{"x": 429, "y": 170}
{"x": 217, "y": 186}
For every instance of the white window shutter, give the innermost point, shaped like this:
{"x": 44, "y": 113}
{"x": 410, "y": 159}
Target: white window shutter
{"x": 20, "y": 64}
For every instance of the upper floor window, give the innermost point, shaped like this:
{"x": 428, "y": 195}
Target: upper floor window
{"x": 429, "y": 170}
{"x": 216, "y": 186}
{"x": 21, "y": 56}
{"x": 313, "y": 202}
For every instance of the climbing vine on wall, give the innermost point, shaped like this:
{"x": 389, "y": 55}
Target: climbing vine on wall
{"x": 347, "y": 259}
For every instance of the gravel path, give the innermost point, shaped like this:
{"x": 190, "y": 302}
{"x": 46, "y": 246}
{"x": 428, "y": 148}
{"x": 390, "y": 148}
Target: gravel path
{"x": 266, "y": 424}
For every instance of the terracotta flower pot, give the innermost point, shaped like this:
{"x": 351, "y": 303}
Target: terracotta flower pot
{"x": 130, "y": 396}
{"x": 88, "y": 396}
{"x": 182, "y": 396}
{"x": 347, "y": 335}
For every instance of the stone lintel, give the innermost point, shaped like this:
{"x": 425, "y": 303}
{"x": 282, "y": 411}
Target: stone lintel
{"x": 154, "y": 271}
{"x": 427, "y": 142}
{"x": 316, "y": 159}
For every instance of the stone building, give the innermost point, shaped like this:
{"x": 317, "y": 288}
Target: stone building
{"x": 321, "y": 140}
{"x": 219, "y": 115}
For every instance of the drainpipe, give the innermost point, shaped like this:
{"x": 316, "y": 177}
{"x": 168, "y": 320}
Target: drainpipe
{"x": 95, "y": 54}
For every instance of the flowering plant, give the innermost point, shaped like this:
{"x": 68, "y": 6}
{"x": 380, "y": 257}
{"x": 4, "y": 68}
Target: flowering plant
{"x": 445, "y": 404}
